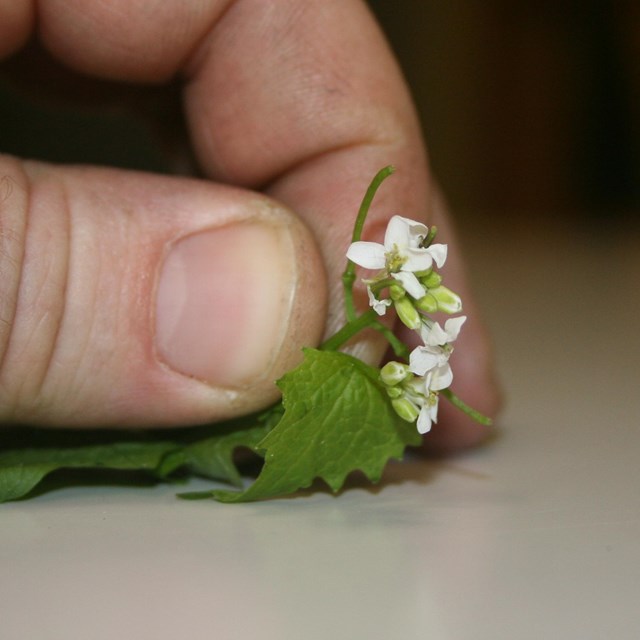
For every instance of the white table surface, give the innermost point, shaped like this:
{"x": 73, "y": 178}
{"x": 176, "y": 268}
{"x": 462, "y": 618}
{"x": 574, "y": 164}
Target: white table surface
{"x": 535, "y": 536}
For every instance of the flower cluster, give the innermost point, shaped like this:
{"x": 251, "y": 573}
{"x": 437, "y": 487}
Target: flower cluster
{"x": 406, "y": 264}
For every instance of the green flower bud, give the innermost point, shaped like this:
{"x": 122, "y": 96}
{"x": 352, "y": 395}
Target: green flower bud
{"x": 394, "y": 392}
{"x": 396, "y": 292}
{"x": 407, "y": 313}
{"x": 448, "y": 301}
{"x": 431, "y": 280}
{"x": 427, "y": 303}
{"x": 405, "y": 409}
{"x": 431, "y": 236}
{"x": 394, "y": 373}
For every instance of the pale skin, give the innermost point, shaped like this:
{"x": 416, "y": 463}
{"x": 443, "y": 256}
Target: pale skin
{"x": 292, "y": 107}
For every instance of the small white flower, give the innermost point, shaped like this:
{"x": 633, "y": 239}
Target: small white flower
{"x": 402, "y": 249}
{"x": 438, "y": 378}
{"x": 430, "y": 363}
{"x": 428, "y": 413}
{"x": 434, "y": 335}
{"x": 425, "y": 400}
{"x": 415, "y": 398}
{"x": 427, "y": 358}
{"x": 379, "y": 306}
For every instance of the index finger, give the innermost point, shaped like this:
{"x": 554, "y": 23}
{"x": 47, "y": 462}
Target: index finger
{"x": 305, "y": 100}
{"x": 300, "y": 98}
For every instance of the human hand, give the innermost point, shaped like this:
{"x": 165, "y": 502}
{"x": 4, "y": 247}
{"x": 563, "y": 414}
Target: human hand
{"x": 130, "y": 299}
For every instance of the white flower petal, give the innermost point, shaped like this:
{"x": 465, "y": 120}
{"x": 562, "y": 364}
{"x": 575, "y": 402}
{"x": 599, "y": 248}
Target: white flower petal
{"x": 428, "y": 415}
{"x": 425, "y": 329}
{"x": 435, "y": 336}
{"x": 425, "y": 359}
{"x": 439, "y": 253}
{"x": 404, "y": 234}
{"x": 379, "y": 306}
{"x": 417, "y": 232}
{"x": 398, "y": 233}
{"x": 410, "y": 284}
{"x": 452, "y": 327}
{"x": 370, "y": 255}
{"x": 424, "y": 421}
{"x": 417, "y": 260}
{"x": 441, "y": 377}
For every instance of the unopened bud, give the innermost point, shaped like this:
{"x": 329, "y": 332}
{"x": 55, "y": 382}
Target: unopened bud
{"x": 396, "y": 292}
{"x": 394, "y": 373}
{"x": 448, "y": 301}
{"x": 405, "y": 409}
{"x": 431, "y": 280}
{"x": 394, "y": 392}
{"x": 407, "y": 313}
{"x": 427, "y": 303}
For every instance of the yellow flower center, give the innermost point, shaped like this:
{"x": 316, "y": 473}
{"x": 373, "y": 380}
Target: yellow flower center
{"x": 394, "y": 260}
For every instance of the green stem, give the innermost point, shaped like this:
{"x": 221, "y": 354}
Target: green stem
{"x": 459, "y": 404}
{"x": 378, "y": 286}
{"x": 378, "y": 179}
{"x": 349, "y": 330}
{"x": 367, "y": 320}
{"x": 399, "y": 347}
{"x": 349, "y": 275}
{"x": 431, "y": 236}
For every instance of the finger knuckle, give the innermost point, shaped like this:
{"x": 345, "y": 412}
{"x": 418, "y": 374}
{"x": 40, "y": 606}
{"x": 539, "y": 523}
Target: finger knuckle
{"x": 33, "y": 264}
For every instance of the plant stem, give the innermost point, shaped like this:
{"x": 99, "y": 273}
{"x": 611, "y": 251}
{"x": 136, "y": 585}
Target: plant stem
{"x": 379, "y": 285}
{"x": 369, "y": 319}
{"x": 349, "y": 275}
{"x": 349, "y": 330}
{"x": 399, "y": 347}
{"x": 459, "y": 404}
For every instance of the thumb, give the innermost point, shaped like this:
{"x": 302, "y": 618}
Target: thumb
{"x": 129, "y": 299}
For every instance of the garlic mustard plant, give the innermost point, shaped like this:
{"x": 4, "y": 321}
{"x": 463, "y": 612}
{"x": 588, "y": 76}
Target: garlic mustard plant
{"x": 407, "y": 264}
{"x": 337, "y": 414}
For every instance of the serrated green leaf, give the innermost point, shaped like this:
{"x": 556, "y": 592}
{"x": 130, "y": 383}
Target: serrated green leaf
{"x": 206, "y": 451}
{"x": 337, "y": 420}
{"x": 213, "y": 457}
{"x": 22, "y": 469}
